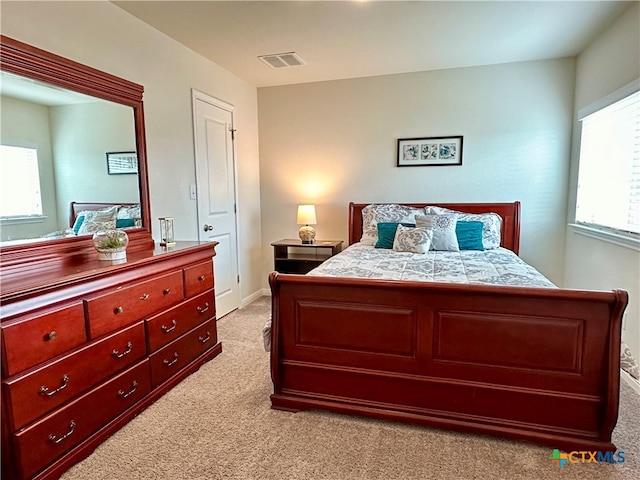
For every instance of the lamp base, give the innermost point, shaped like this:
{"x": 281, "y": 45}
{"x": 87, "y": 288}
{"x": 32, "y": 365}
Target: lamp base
{"x": 307, "y": 234}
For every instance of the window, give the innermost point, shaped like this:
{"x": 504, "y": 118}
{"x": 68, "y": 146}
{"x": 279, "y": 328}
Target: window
{"x": 608, "y": 194}
{"x": 19, "y": 182}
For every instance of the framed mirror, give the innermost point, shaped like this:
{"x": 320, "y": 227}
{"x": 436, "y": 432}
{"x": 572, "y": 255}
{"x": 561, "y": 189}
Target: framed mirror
{"x": 73, "y": 138}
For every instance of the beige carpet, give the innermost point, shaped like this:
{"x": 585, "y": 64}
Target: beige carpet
{"x": 217, "y": 424}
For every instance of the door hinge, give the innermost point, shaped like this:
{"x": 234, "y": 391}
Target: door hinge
{"x": 233, "y": 132}
{"x": 238, "y": 278}
{"x": 235, "y": 208}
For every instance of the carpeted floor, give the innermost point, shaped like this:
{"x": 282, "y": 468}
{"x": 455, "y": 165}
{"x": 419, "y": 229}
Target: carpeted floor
{"x": 217, "y": 424}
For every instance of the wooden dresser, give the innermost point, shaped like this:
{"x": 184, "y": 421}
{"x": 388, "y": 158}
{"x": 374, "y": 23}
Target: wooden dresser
{"x": 88, "y": 344}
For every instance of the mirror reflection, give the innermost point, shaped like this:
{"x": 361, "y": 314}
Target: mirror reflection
{"x": 59, "y": 147}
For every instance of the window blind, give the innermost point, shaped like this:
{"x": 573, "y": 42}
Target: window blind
{"x": 19, "y": 182}
{"x": 608, "y": 193}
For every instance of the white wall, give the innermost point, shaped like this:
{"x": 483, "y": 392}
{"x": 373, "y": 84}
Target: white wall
{"x": 610, "y": 62}
{"x": 81, "y": 135}
{"x": 329, "y": 143}
{"x": 104, "y": 36}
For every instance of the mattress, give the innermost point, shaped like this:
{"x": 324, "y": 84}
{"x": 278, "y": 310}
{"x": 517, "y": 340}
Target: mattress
{"x": 498, "y": 266}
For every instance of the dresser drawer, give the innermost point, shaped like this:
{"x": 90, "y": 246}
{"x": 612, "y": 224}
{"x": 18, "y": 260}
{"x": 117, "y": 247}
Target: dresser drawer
{"x": 180, "y": 352}
{"x": 169, "y": 325}
{"x": 198, "y": 278}
{"x": 31, "y": 339}
{"x": 39, "y": 391}
{"x": 127, "y": 304}
{"x": 47, "y": 439}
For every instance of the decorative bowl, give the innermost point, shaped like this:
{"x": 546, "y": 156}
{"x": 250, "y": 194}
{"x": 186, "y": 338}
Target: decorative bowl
{"x": 111, "y": 244}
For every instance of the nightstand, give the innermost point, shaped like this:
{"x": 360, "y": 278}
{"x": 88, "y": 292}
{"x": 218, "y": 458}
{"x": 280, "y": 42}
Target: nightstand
{"x": 292, "y": 256}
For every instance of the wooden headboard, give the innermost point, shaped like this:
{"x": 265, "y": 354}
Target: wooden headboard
{"x": 76, "y": 207}
{"x": 510, "y": 213}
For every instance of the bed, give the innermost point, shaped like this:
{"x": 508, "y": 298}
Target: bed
{"x": 87, "y": 217}
{"x": 538, "y": 364}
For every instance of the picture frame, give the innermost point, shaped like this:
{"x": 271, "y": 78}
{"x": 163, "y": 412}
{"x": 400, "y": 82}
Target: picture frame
{"x": 430, "y": 151}
{"x": 122, "y": 163}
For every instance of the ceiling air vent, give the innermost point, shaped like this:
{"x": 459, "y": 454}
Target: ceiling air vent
{"x": 283, "y": 60}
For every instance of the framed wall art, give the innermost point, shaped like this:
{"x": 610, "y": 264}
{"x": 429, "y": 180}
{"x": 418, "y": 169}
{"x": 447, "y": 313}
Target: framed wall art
{"x": 119, "y": 163}
{"x": 429, "y": 151}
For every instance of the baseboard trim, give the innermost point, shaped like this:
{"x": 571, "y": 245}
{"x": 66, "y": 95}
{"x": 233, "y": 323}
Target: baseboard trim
{"x": 265, "y": 292}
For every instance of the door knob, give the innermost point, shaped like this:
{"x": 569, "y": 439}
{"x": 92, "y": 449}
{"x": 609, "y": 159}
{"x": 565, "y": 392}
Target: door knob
{"x": 207, "y": 227}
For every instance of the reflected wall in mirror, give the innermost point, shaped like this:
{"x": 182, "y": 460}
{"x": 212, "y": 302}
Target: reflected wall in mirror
{"x": 53, "y": 144}
{"x": 66, "y": 116}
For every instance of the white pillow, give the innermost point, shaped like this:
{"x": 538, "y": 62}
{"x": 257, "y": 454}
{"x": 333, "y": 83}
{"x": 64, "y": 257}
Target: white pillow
{"x": 95, "y": 220}
{"x": 491, "y": 224}
{"x": 444, "y": 230}
{"x": 385, "y": 212}
{"x": 410, "y": 239}
{"x": 128, "y": 212}
{"x": 92, "y": 227}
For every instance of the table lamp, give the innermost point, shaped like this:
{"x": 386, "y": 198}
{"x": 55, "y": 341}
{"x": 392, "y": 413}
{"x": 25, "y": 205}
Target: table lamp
{"x": 307, "y": 217}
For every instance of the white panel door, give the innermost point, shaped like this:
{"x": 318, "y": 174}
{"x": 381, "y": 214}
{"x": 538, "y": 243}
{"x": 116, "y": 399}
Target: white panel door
{"x": 216, "y": 194}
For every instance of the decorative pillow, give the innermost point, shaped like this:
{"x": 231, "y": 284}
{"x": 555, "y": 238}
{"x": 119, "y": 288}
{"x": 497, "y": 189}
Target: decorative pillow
{"x": 125, "y": 222}
{"x": 385, "y": 212}
{"x": 412, "y": 239}
{"x": 78, "y": 223}
{"x": 128, "y": 212}
{"x": 92, "y": 227}
{"x": 628, "y": 363}
{"x": 469, "y": 235}
{"x": 444, "y": 230}
{"x": 387, "y": 233}
{"x": 491, "y": 224}
{"x": 95, "y": 220}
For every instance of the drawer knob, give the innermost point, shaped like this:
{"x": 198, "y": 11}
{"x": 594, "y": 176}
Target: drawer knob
{"x": 123, "y": 394}
{"x": 144, "y": 296}
{"x": 45, "y": 392}
{"x": 201, "y": 278}
{"x": 116, "y": 354}
{"x": 51, "y": 335}
{"x": 203, "y": 309}
{"x": 166, "y": 291}
{"x": 118, "y": 310}
{"x": 205, "y": 339}
{"x": 168, "y": 363}
{"x": 166, "y": 329}
{"x": 56, "y": 440}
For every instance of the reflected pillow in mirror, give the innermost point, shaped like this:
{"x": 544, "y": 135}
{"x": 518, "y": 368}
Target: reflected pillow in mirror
{"x": 128, "y": 212}
{"x": 95, "y": 220}
{"x": 78, "y": 223}
{"x": 125, "y": 222}
{"x": 92, "y": 227}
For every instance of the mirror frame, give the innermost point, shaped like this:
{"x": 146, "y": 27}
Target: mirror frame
{"x": 28, "y": 61}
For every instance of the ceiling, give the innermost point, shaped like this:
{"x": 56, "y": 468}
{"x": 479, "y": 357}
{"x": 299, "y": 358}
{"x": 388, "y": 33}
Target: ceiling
{"x": 348, "y": 39}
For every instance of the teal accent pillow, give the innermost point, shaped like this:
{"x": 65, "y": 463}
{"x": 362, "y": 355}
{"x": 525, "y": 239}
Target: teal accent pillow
{"x": 78, "y": 223}
{"x": 387, "y": 232}
{"x": 469, "y": 235}
{"x": 125, "y": 222}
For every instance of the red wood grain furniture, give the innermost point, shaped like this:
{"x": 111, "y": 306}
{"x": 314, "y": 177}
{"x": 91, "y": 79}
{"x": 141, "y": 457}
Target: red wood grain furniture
{"x": 534, "y": 364}
{"x": 87, "y": 346}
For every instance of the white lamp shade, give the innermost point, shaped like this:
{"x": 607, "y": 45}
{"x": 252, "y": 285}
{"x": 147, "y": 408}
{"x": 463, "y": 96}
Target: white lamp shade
{"x": 306, "y": 214}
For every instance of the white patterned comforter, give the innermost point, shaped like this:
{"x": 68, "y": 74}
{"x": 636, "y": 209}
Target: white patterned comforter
{"x": 498, "y": 266}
